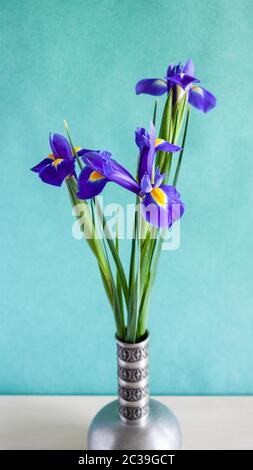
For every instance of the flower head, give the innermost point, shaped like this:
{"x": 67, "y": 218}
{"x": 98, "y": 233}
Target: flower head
{"x": 99, "y": 170}
{"x": 182, "y": 76}
{"x": 157, "y": 199}
{"x": 59, "y": 164}
{"x": 149, "y": 144}
{"x": 161, "y": 204}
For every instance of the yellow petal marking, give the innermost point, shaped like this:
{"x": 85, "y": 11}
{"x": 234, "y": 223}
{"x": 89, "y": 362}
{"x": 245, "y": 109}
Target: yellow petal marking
{"x": 76, "y": 150}
{"x": 159, "y": 196}
{"x": 57, "y": 161}
{"x": 95, "y": 176}
{"x": 197, "y": 89}
{"x": 160, "y": 82}
{"x": 51, "y": 156}
{"x": 158, "y": 142}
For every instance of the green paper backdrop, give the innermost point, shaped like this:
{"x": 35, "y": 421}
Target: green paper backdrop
{"x": 79, "y": 61}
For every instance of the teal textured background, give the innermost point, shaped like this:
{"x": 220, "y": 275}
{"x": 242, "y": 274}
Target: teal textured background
{"x": 80, "y": 60}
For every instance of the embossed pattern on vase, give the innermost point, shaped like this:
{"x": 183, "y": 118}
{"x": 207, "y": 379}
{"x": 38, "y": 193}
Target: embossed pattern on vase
{"x": 133, "y": 381}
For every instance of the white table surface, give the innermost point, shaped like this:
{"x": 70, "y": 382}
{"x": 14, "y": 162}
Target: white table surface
{"x": 61, "y": 422}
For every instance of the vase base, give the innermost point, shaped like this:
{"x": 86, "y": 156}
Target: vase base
{"x": 161, "y": 430}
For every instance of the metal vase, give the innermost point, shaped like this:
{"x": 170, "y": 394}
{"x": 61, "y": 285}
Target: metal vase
{"x": 134, "y": 421}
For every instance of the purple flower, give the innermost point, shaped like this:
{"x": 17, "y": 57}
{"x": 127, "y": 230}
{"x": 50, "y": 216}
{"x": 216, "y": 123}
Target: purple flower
{"x": 183, "y": 76}
{"x": 161, "y": 204}
{"x": 100, "y": 169}
{"x": 59, "y": 164}
{"x": 148, "y": 145}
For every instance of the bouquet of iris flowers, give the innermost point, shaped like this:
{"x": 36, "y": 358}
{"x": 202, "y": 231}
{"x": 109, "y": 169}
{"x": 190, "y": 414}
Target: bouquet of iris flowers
{"x": 158, "y": 204}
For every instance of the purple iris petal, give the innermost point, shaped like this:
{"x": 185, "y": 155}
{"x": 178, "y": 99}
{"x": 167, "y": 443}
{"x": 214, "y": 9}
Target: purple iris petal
{"x": 142, "y": 168}
{"x": 151, "y": 86}
{"x": 60, "y": 146}
{"x": 118, "y": 174}
{"x": 112, "y": 170}
{"x": 97, "y": 160}
{"x": 147, "y": 155}
{"x": 166, "y": 146}
{"x": 177, "y": 75}
{"x": 149, "y": 145}
{"x": 42, "y": 164}
{"x": 152, "y": 150}
{"x": 158, "y": 178}
{"x": 189, "y": 68}
{"x": 82, "y": 152}
{"x": 90, "y": 183}
{"x": 201, "y": 99}
{"x": 55, "y": 175}
{"x": 173, "y": 70}
{"x": 181, "y": 75}
{"x": 162, "y": 206}
{"x": 182, "y": 80}
{"x": 146, "y": 185}
{"x": 142, "y": 138}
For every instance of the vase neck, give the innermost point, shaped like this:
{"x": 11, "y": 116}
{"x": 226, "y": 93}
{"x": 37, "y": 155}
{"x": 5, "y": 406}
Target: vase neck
{"x": 133, "y": 381}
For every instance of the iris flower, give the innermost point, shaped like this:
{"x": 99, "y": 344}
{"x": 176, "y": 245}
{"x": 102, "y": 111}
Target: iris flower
{"x": 184, "y": 77}
{"x": 59, "y": 164}
{"x": 161, "y": 204}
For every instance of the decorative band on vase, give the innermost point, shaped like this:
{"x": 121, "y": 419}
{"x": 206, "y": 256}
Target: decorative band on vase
{"x": 133, "y": 394}
{"x": 133, "y": 381}
{"x": 133, "y": 374}
{"x": 132, "y": 352}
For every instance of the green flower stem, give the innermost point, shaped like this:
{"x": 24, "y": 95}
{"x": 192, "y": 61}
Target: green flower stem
{"x": 142, "y": 322}
{"x": 118, "y": 283}
{"x": 131, "y": 280}
{"x": 142, "y": 231}
{"x": 143, "y": 316}
{"x": 118, "y": 313}
{"x": 147, "y": 241}
{"x": 134, "y": 279}
{"x": 171, "y": 124}
{"x": 119, "y": 267}
{"x": 89, "y": 229}
{"x": 179, "y": 163}
{"x": 114, "y": 253}
{"x": 103, "y": 261}
{"x": 165, "y": 128}
{"x": 173, "y": 131}
{"x": 107, "y": 287}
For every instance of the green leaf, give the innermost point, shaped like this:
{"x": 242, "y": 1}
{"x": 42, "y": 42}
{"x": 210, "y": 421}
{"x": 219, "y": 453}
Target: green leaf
{"x": 78, "y": 159}
{"x": 155, "y": 113}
